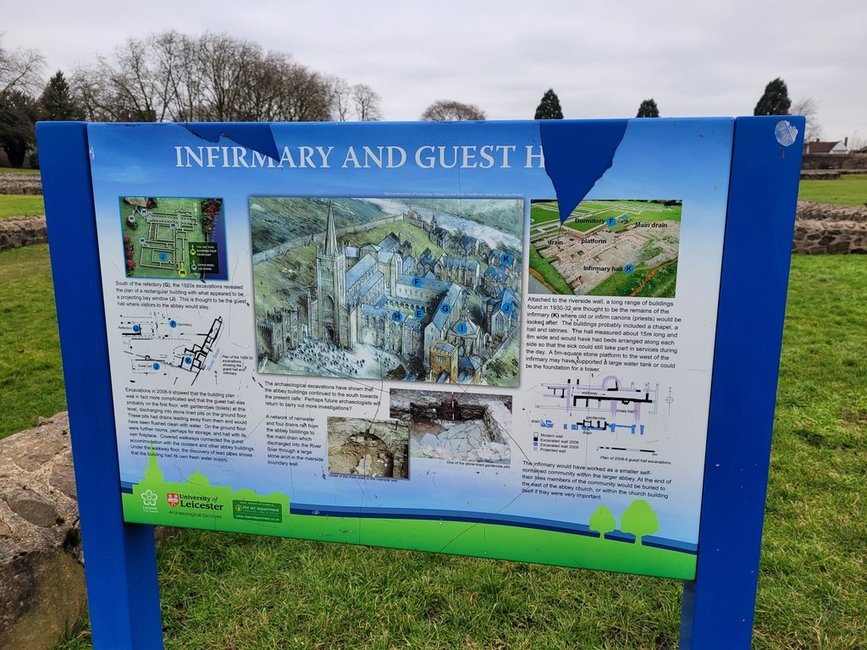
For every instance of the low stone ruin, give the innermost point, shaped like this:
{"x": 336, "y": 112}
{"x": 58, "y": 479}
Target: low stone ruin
{"x": 22, "y": 231}
{"x": 823, "y": 229}
{"x": 20, "y": 183}
{"x": 42, "y": 589}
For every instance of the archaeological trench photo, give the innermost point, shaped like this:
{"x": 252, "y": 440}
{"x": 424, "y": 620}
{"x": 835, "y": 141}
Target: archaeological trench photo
{"x": 455, "y": 426}
{"x": 373, "y": 448}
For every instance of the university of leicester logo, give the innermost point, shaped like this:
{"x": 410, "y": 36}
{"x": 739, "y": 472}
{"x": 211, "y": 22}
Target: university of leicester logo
{"x": 173, "y": 498}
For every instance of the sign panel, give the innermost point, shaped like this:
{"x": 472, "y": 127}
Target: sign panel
{"x": 490, "y": 339}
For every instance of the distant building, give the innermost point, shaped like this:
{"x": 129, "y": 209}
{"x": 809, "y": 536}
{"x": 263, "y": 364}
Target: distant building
{"x": 280, "y": 331}
{"x": 503, "y": 314}
{"x": 837, "y": 147}
{"x": 468, "y": 245}
{"x": 440, "y": 237}
{"x": 426, "y": 262}
{"x": 494, "y": 280}
{"x": 457, "y": 269}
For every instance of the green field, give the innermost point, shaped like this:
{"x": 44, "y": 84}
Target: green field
{"x": 17, "y": 170}
{"x": 593, "y": 214}
{"x": 661, "y": 285}
{"x": 850, "y": 189}
{"x": 598, "y": 211}
{"x": 20, "y": 205}
{"x": 547, "y": 274}
{"x": 31, "y": 383}
{"x": 542, "y": 212}
{"x": 632, "y": 210}
{"x": 299, "y": 594}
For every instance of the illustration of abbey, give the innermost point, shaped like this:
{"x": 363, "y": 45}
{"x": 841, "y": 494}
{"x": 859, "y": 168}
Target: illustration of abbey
{"x": 448, "y": 314}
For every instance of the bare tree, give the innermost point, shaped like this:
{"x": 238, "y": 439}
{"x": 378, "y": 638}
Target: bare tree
{"x": 341, "y": 99}
{"x": 20, "y": 70}
{"x": 448, "y": 109}
{"x": 366, "y": 101}
{"x": 856, "y": 142}
{"x": 808, "y": 107}
{"x": 305, "y": 95}
{"x": 212, "y": 77}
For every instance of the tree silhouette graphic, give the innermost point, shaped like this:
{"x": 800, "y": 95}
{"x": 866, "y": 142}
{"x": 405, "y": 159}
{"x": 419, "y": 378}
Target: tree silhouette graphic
{"x": 602, "y": 521}
{"x": 639, "y": 520}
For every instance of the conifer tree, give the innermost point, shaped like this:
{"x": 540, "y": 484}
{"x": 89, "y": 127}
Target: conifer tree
{"x": 648, "y": 108}
{"x": 549, "y": 107}
{"x": 775, "y": 100}
{"x": 56, "y": 101}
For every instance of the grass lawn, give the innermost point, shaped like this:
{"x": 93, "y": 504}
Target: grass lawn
{"x": 15, "y": 170}
{"x": 635, "y": 210}
{"x": 548, "y": 274}
{"x": 239, "y": 591}
{"x": 31, "y": 383}
{"x": 847, "y": 190}
{"x": 20, "y": 205}
{"x": 661, "y": 285}
{"x": 544, "y": 212}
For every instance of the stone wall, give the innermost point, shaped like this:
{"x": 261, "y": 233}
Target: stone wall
{"x": 20, "y": 183}
{"x": 42, "y": 590}
{"x": 852, "y": 161}
{"x": 822, "y": 229}
{"x": 22, "y": 231}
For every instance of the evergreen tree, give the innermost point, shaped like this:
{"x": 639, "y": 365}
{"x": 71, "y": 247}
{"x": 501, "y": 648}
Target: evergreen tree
{"x": 56, "y": 101}
{"x": 648, "y": 108}
{"x": 549, "y": 107}
{"x": 18, "y": 113}
{"x": 775, "y": 101}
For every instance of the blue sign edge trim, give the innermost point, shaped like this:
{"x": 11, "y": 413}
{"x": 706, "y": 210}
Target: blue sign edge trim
{"x": 121, "y": 569}
{"x": 718, "y": 607}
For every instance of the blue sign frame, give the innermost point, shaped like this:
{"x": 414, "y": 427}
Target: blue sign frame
{"x": 718, "y": 606}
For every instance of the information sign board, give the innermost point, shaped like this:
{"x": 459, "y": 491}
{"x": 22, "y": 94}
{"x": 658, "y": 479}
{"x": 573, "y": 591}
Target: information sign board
{"x": 518, "y": 340}
{"x": 419, "y": 335}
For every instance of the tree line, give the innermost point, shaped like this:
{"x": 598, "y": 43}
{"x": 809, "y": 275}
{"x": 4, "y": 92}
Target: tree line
{"x": 172, "y": 76}
{"x": 213, "y": 77}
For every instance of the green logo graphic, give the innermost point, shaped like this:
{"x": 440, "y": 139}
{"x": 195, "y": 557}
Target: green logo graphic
{"x": 196, "y": 503}
{"x": 257, "y": 511}
{"x": 149, "y": 498}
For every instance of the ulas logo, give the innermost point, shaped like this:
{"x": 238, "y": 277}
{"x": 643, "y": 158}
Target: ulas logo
{"x": 173, "y": 498}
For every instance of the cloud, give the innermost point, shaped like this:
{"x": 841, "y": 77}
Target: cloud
{"x": 602, "y": 59}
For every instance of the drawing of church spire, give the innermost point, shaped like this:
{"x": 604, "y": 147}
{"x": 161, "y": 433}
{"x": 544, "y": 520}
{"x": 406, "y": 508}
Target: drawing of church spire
{"x": 330, "y": 233}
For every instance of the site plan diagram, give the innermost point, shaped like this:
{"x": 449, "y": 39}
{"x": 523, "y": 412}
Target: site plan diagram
{"x": 606, "y": 248}
{"x": 175, "y": 238}
{"x": 158, "y": 344}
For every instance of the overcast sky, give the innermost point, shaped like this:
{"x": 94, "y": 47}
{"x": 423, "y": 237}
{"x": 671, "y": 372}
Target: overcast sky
{"x": 602, "y": 58}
